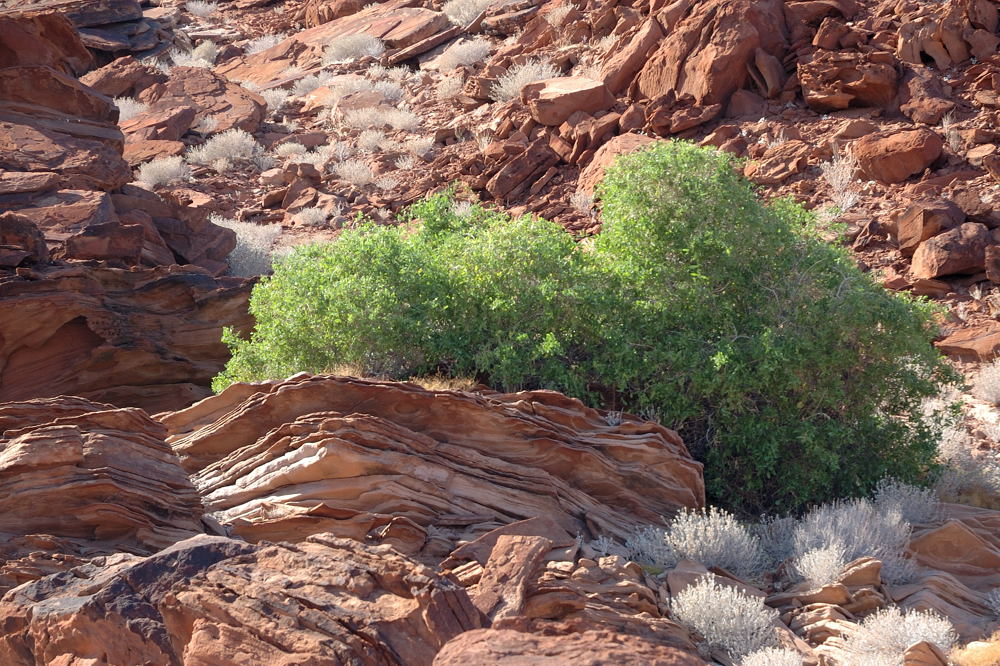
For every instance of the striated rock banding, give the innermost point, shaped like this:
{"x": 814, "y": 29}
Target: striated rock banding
{"x": 373, "y": 459}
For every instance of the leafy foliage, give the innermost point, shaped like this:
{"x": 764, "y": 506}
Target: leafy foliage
{"x": 794, "y": 376}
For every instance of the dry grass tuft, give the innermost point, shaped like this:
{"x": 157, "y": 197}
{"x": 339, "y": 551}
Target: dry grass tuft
{"x": 444, "y": 383}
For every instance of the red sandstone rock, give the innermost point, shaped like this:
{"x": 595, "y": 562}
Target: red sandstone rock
{"x": 896, "y": 157}
{"x": 213, "y": 96}
{"x": 710, "y": 46}
{"x": 623, "y": 144}
{"x": 622, "y": 64}
{"x": 48, "y": 40}
{"x": 147, "y": 338}
{"x": 358, "y": 440}
{"x": 552, "y": 101}
{"x": 980, "y": 342}
{"x": 833, "y": 80}
{"x": 922, "y": 220}
{"x": 212, "y": 600}
{"x": 958, "y": 250}
{"x": 504, "y": 647}
{"x": 77, "y": 470}
{"x": 123, "y": 77}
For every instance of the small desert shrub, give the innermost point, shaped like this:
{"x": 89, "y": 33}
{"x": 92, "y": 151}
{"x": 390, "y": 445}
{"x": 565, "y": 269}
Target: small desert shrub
{"x": 582, "y": 201}
{"x": 263, "y": 161}
{"x": 355, "y": 172}
{"x": 993, "y": 601}
{"x": 839, "y": 175}
{"x": 855, "y": 528}
{"x": 448, "y": 87}
{"x": 386, "y": 183}
{"x": 311, "y": 82}
{"x": 420, "y": 146}
{"x": 290, "y": 148}
{"x": 821, "y": 566}
{"x": 987, "y": 386}
{"x": 181, "y": 58}
{"x": 275, "y": 98}
{"x": 772, "y": 656}
{"x": 163, "y": 171}
{"x": 406, "y": 162}
{"x": 402, "y": 119}
{"x": 888, "y": 632}
{"x": 469, "y": 52}
{"x": 400, "y": 73}
{"x": 263, "y": 43}
{"x": 714, "y": 538}
{"x": 391, "y": 90}
{"x": 206, "y": 125}
{"x": 200, "y": 8}
{"x": 352, "y": 47}
{"x": 726, "y": 617}
{"x": 377, "y": 71}
{"x": 232, "y": 145}
{"x": 462, "y": 12}
{"x": 509, "y": 85}
{"x": 556, "y": 16}
{"x": 207, "y": 51}
{"x": 129, "y": 107}
{"x": 377, "y": 116}
{"x": 252, "y": 254}
{"x": 964, "y": 477}
{"x": 371, "y": 140}
{"x": 917, "y": 506}
{"x": 312, "y": 217}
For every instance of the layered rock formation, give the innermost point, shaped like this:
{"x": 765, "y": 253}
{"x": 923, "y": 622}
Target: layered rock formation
{"x": 119, "y": 320}
{"x": 80, "y": 479}
{"x": 423, "y": 469}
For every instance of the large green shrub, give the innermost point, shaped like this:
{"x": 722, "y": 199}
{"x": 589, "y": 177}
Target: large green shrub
{"x": 791, "y": 374}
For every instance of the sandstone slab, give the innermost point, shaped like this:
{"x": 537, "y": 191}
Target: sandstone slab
{"x": 552, "y": 101}
{"x": 895, "y": 157}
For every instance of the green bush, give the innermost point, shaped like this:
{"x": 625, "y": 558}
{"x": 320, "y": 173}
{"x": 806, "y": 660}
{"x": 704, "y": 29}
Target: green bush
{"x": 792, "y": 375}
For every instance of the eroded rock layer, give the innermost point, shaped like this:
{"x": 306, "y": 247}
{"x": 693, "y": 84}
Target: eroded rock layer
{"x": 78, "y": 479}
{"x": 213, "y": 600}
{"x": 422, "y": 468}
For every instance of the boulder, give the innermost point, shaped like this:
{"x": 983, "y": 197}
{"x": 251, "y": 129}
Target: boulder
{"x": 213, "y": 600}
{"x": 148, "y": 338}
{"x": 281, "y": 460}
{"x": 710, "y": 47}
{"x": 833, "y": 81}
{"x": 506, "y": 647}
{"x": 211, "y": 95}
{"x": 892, "y": 158}
{"x": 622, "y": 144}
{"x": 921, "y": 220}
{"x": 552, "y": 101}
{"x": 20, "y": 233}
{"x": 924, "y": 99}
{"x": 958, "y": 250}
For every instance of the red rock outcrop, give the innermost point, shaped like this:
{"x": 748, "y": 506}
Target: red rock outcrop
{"x": 78, "y": 479}
{"x": 893, "y": 158}
{"x": 958, "y": 250}
{"x": 211, "y": 95}
{"x": 212, "y": 600}
{"x": 387, "y": 461}
{"x": 148, "y": 338}
{"x": 709, "y": 47}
